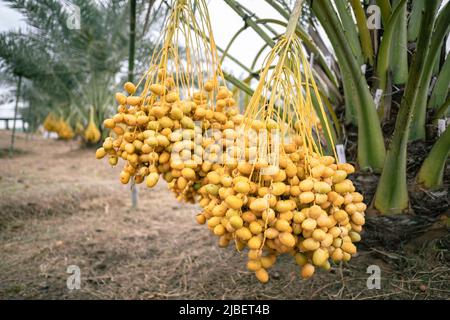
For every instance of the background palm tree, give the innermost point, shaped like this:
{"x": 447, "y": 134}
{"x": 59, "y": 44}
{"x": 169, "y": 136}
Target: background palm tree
{"x": 72, "y": 70}
{"x": 15, "y": 62}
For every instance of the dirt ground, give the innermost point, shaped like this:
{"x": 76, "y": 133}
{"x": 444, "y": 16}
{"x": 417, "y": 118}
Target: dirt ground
{"x": 59, "y": 207}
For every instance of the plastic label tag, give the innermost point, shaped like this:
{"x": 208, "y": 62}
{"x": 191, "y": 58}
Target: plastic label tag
{"x": 442, "y": 125}
{"x": 377, "y": 98}
{"x": 340, "y": 149}
{"x": 364, "y": 68}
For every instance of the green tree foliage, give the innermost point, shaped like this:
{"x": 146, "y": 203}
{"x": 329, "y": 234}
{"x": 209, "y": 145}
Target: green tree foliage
{"x": 73, "y": 69}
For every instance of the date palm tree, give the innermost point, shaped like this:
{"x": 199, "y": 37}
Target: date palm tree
{"x": 399, "y": 60}
{"x": 74, "y": 69}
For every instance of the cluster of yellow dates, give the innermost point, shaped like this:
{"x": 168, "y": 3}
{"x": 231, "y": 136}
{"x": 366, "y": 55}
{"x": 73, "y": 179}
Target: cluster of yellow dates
{"x": 304, "y": 206}
{"x": 147, "y": 131}
{"x": 62, "y": 127}
{"x": 308, "y": 209}
{"x": 58, "y": 125}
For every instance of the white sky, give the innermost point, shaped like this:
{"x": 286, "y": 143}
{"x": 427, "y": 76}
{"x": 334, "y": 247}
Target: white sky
{"x": 225, "y": 23}
{"x": 9, "y": 19}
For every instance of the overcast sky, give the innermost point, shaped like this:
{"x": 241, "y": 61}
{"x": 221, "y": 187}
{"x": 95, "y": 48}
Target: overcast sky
{"x": 9, "y": 19}
{"x": 225, "y": 23}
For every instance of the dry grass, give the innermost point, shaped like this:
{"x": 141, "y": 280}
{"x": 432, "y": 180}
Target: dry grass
{"x": 59, "y": 207}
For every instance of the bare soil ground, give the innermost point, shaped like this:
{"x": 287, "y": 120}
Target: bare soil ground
{"x": 59, "y": 207}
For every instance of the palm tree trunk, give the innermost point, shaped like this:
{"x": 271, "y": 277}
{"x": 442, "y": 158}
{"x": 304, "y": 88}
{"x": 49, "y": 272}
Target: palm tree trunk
{"x": 432, "y": 171}
{"x": 11, "y": 147}
{"x": 442, "y": 27}
{"x": 371, "y": 149}
{"x": 391, "y": 196}
{"x": 441, "y": 88}
{"x": 399, "y": 53}
{"x": 29, "y": 117}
